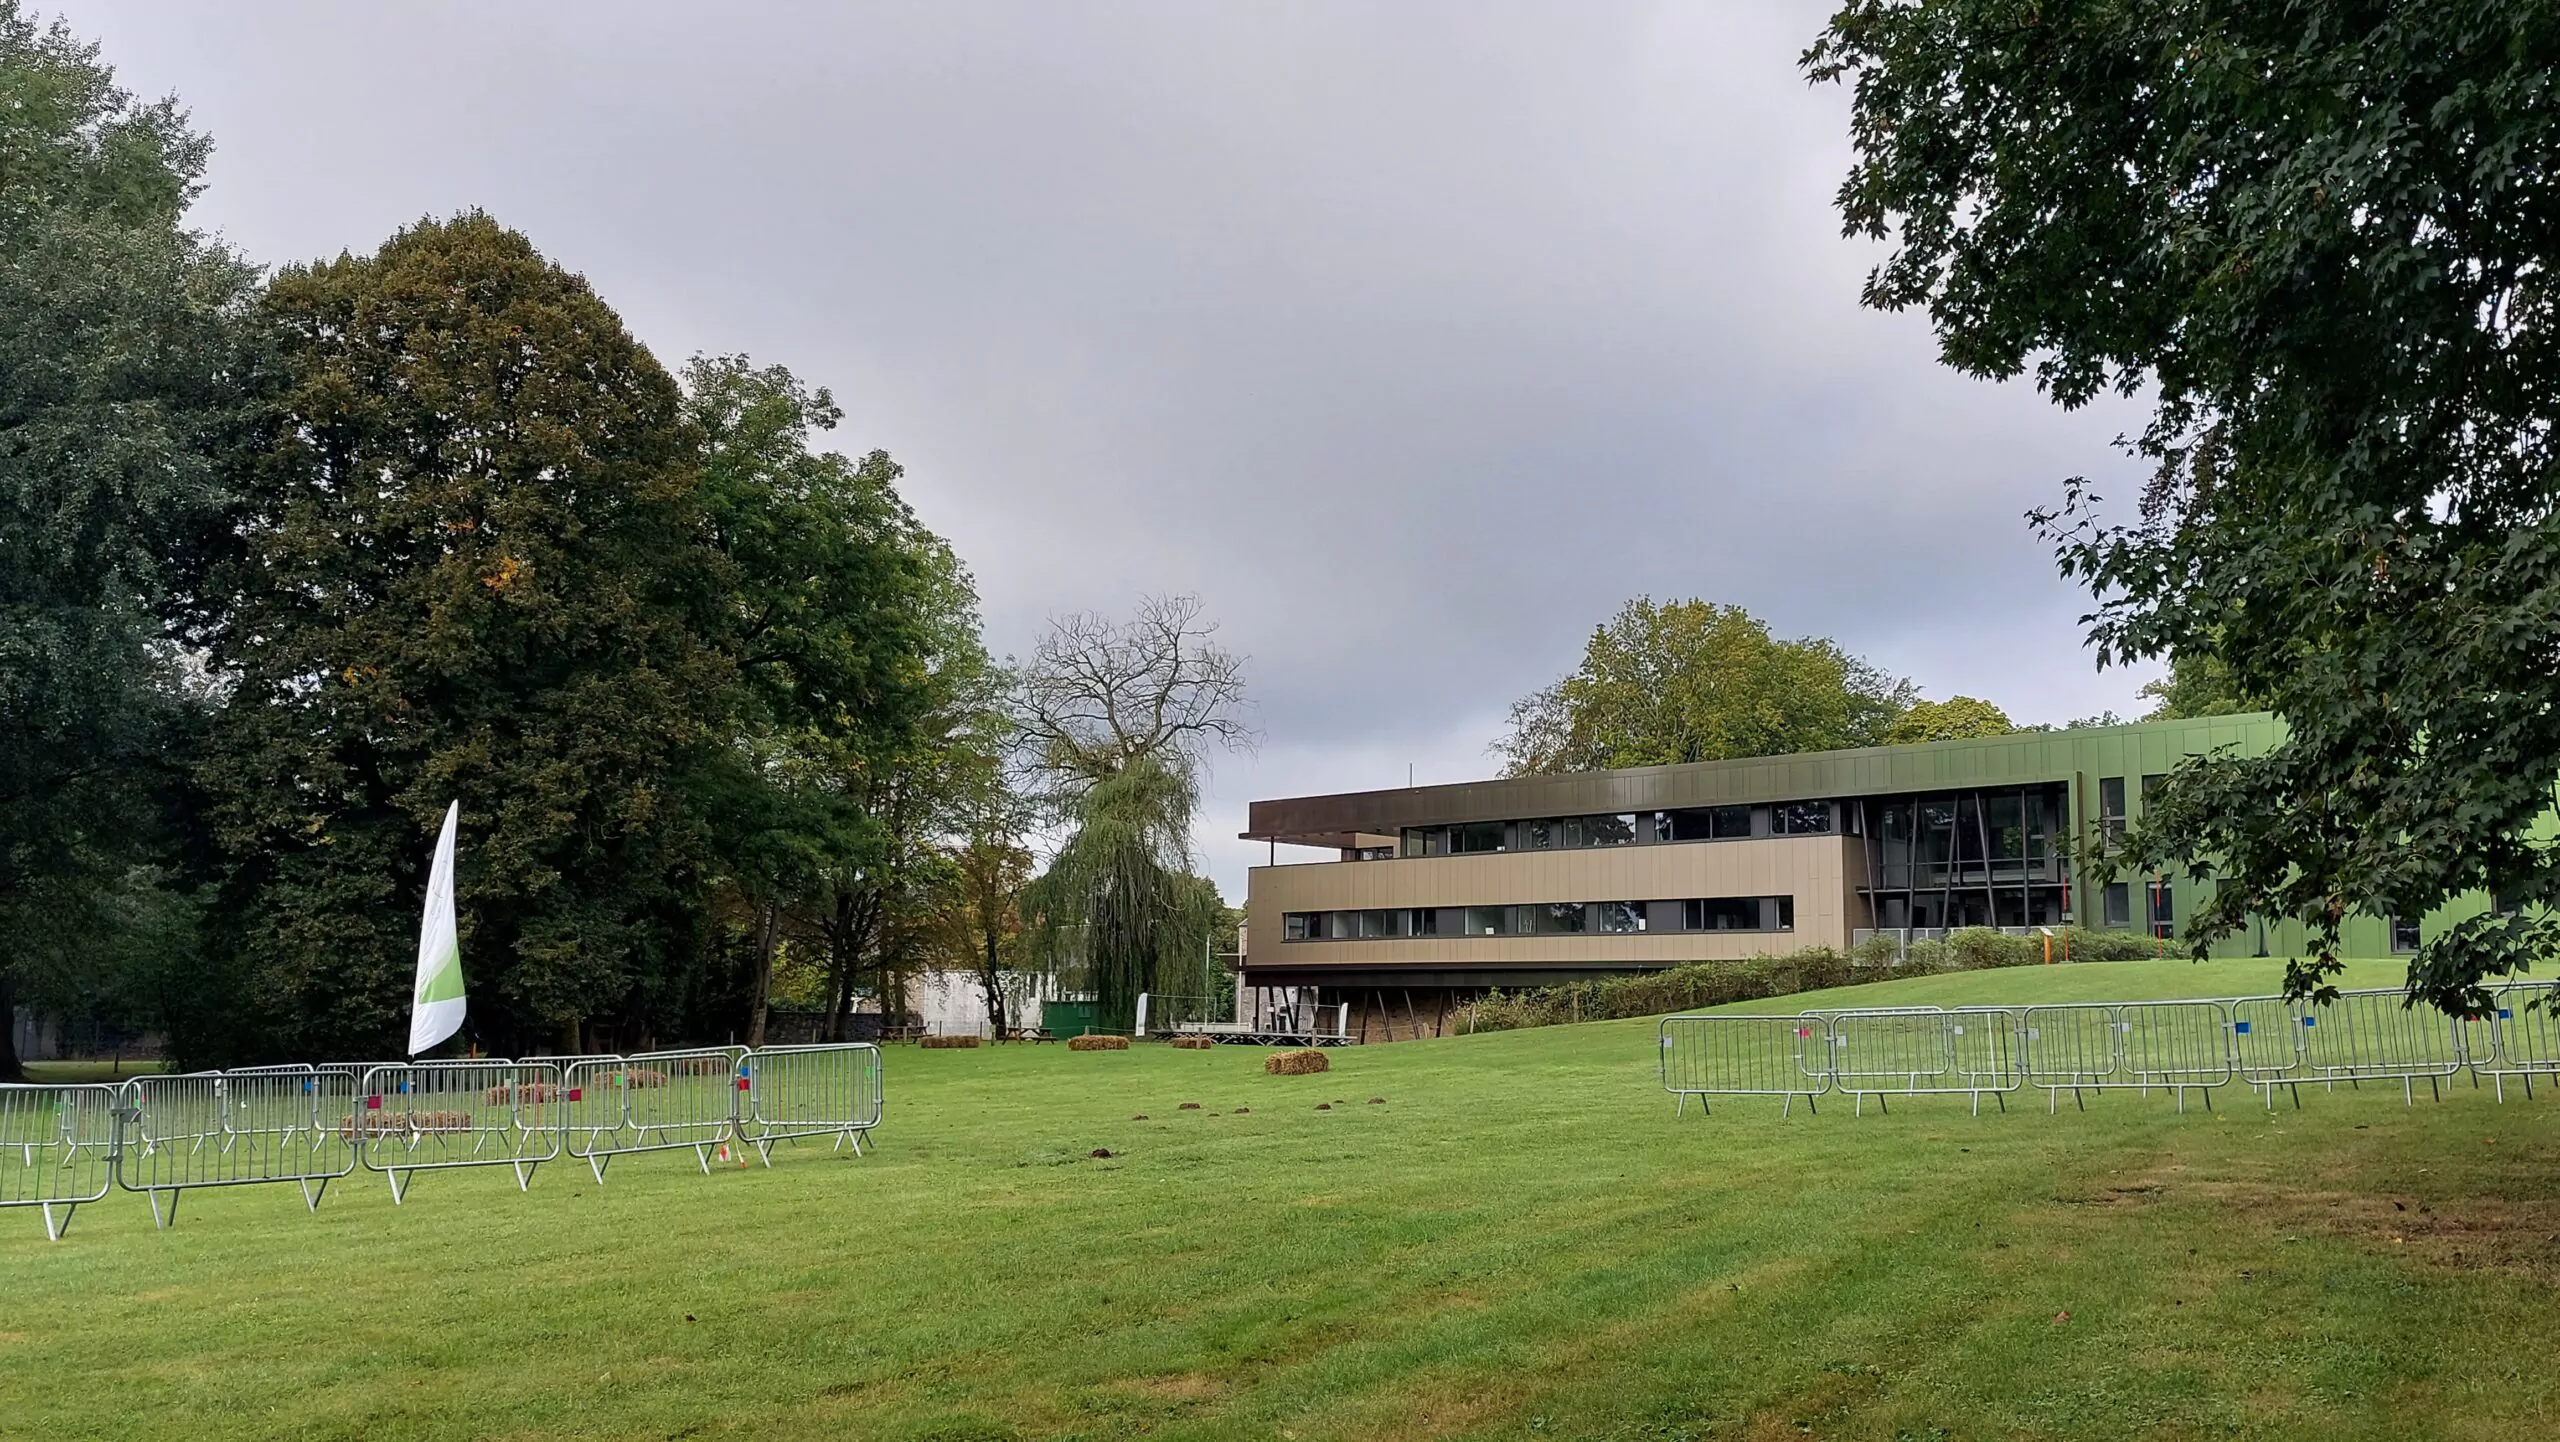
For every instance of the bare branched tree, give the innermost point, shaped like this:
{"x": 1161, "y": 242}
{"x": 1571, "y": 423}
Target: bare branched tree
{"x": 1114, "y": 720}
{"x": 1099, "y": 694}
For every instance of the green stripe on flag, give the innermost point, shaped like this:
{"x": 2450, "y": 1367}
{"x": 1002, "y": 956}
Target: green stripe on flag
{"x": 446, "y": 983}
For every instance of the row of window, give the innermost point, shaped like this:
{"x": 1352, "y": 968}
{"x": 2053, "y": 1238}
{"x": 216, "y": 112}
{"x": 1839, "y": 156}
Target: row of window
{"x": 1620, "y": 828}
{"x": 2115, "y": 905}
{"x": 1552, "y": 918}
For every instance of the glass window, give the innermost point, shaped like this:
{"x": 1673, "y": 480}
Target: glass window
{"x": 1422, "y": 921}
{"x": 1706, "y": 823}
{"x": 1786, "y": 913}
{"x": 1539, "y": 835}
{"x": 2404, "y": 934}
{"x": 1725, "y": 913}
{"x": 1800, "y": 818}
{"x": 1379, "y": 923}
{"x": 1448, "y": 921}
{"x": 1618, "y": 830}
{"x": 2111, "y": 807}
{"x": 1488, "y": 921}
{"x": 1474, "y": 837}
{"x": 2160, "y": 908}
{"x": 1556, "y": 917}
{"x": 2115, "y": 904}
{"x": 1293, "y": 926}
{"x": 2150, "y": 786}
{"x": 1621, "y": 916}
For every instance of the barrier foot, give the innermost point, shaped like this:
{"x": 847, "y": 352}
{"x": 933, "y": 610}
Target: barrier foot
{"x": 595, "y": 1163}
{"x": 2003, "y": 1099}
{"x": 399, "y": 1185}
{"x": 2528, "y": 1086}
{"x": 2408, "y": 1092}
{"x": 1680, "y": 1107}
{"x": 2078, "y": 1100}
{"x": 703, "y": 1155}
{"x": 857, "y": 1143}
{"x": 311, "y": 1195}
{"x": 764, "y": 1149}
{"x": 163, "y": 1222}
{"x": 524, "y": 1175}
{"x": 1881, "y": 1107}
{"x": 1808, "y": 1105}
{"x": 54, "y": 1227}
{"x": 2207, "y": 1094}
{"x": 2501, "y": 1085}
{"x": 2435, "y": 1086}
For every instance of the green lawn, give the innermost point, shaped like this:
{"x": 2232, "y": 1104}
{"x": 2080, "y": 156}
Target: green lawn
{"x": 1520, "y": 1242}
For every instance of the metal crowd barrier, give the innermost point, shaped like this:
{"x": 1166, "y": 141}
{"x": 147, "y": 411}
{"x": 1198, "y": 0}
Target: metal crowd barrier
{"x": 1727, "y": 1055}
{"x": 62, "y": 1147}
{"x": 789, "y": 1092}
{"x": 444, "y": 1115}
{"x": 651, "y": 1102}
{"x": 2178, "y": 1047}
{"x": 2173, "y": 1046}
{"x": 57, "y": 1149}
{"x": 2524, "y": 1035}
{"x": 227, "y": 1129}
{"x": 1922, "y": 1051}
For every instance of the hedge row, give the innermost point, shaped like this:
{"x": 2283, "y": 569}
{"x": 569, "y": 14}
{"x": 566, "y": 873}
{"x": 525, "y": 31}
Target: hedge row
{"x": 1815, "y": 968}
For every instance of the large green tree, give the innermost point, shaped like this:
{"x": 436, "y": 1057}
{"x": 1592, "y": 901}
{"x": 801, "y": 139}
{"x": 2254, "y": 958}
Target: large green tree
{"x": 120, "y": 346}
{"x": 472, "y": 561}
{"x": 866, "y": 695}
{"x": 1671, "y": 682}
{"x": 2318, "y": 239}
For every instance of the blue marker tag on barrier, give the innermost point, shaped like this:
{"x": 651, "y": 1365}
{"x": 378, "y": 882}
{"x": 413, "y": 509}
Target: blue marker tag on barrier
{"x": 2241, "y": 1027}
{"x": 2311, "y": 1021}
{"x": 2506, "y": 1014}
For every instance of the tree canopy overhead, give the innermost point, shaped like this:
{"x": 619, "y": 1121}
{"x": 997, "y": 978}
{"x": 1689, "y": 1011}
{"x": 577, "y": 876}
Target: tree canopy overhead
{"x": 1665, "y": 683}
{"x": 2318, "y": 238}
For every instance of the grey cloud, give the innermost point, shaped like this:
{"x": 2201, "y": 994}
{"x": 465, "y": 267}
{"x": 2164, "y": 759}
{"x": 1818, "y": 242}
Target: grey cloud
{"x": 1413, "y": 337}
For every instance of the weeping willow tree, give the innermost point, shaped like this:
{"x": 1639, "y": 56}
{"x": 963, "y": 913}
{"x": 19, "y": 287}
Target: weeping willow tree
{"x": 1114, "y": 719}
{"x": 1118, "y": 906}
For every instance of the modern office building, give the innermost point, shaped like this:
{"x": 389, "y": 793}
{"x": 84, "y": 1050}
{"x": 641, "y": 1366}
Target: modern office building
{"x": 1436, "y": 893}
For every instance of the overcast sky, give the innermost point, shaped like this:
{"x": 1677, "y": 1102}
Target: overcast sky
{"x": 1413, "y": 338}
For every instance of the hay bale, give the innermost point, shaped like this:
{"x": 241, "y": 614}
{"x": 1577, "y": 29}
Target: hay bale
{"x": 1305, "y": 1061}
{"x": 947, "y": 1043}
{"x": 1097, "y": 1043}
{"x": 1192, "y": 1043}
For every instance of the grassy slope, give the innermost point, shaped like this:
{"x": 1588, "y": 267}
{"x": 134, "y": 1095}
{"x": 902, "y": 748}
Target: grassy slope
{"x": 1520, "y": 1242}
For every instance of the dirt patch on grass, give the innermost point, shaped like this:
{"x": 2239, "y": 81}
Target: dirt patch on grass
{"x": 2460, "y": 1234}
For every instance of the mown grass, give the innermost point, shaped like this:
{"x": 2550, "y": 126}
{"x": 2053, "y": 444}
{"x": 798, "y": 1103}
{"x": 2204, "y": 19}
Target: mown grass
{"x": 1519, "y": 1242}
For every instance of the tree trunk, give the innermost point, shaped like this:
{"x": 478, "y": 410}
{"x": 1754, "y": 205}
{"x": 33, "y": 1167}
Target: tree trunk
{"x": 768, "y": 932}
{"x": 12, "y": 1069}
{"x": 995, "y": 989}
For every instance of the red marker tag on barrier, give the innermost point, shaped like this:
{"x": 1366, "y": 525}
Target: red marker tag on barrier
{"x": 742, "y": 1083}
{"x": 577, "y": 1094}
{"x": 373, "y": 1104}
{"x": 1804, "y": 1031}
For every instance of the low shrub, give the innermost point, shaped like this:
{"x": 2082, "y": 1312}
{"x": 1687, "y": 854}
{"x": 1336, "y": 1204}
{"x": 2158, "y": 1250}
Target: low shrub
{"x": 1097, "y": 1043}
